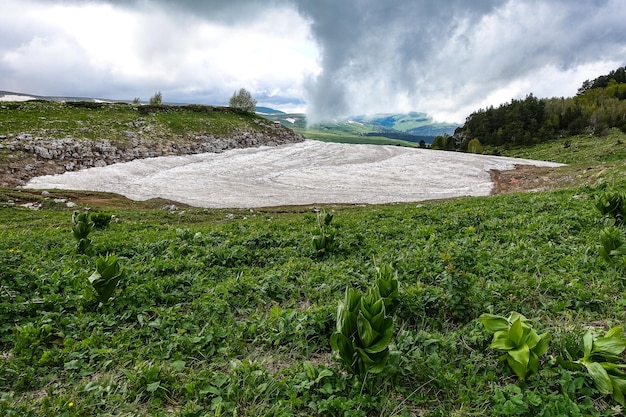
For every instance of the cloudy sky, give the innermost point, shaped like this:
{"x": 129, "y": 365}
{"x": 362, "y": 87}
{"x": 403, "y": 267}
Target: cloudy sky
{"x": 329, "y": 58}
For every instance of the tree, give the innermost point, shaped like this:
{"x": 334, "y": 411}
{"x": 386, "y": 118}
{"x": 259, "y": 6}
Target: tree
{"x": 242, "y": 100}
{"x": 439, "y": 143}
{"x": 156, "y": 99}
{"x": 474, "y": 146}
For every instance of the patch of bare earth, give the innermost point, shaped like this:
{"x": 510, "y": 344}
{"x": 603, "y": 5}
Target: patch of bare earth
{"x": 529, "y": 178}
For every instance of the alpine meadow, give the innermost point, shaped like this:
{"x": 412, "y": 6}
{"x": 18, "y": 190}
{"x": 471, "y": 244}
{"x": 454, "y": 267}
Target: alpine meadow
{"x": 508, "y": 305}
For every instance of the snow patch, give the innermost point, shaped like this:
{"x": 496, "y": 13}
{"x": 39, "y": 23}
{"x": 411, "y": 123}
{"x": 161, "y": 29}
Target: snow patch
{"x": 14, "y": 97}
{"x": 310, "y": 172}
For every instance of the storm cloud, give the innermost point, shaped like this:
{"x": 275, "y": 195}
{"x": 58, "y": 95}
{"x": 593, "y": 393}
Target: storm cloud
{"x": 341, "y": 58}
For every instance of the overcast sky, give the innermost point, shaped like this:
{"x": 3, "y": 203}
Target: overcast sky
{"x": 330, "y": 58}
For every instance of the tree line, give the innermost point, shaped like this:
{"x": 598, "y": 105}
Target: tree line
{"x": 599, "y": 105}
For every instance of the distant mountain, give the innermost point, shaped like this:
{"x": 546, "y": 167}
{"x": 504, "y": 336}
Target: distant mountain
{"x": 266, "y": 110}
{"x": 412, "y": 127}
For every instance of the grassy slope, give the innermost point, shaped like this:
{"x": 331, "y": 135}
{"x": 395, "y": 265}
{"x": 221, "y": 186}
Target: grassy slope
{"x": 227, "y": 311}
{"x": 355, "y": 139}
{"x": 589, "y": 158}
{"x": 113, "y": 121}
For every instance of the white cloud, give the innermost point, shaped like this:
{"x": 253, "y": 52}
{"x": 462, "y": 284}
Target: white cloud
{"x": 99, "y": 49}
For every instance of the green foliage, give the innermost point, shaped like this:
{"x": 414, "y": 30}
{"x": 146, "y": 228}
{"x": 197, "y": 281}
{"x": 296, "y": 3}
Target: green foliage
{"x": 516, "y": 337}
{"x": 201, "y": 291}
{"x": 100, "y": 220}
{"x": 106, "y": 277}
{"x": 387, "y": 285}
{"x": 599, "y": 105}
{"x": 242, "y": 100}
{"x": 612, "y": 244}
{"x": 364, "y": 328}
{"x": 323, "y": 239}
{"x": 474, "y": 146}
{"x": 612, "y": 205}
{"x": 603, "y": 359}
{"x": 156, "y": 99}
{"x": 119, "y": 123}
{"x": 439, "y": 143}
{"x": 459, "y": 292}
{"x": 81, "y": 227}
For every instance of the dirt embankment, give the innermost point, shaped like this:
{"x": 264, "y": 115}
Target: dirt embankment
{"x": 527, "y": 178}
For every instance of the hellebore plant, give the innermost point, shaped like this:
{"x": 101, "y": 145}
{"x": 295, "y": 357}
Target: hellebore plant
{"x": 323, "y": 239}
{"x": 106, "y": 277}
{"x": 601, "y": 357}
{"x": 364, "y": 326}
{"x": 81, "y": 227}
{"x": 521, "y": 344}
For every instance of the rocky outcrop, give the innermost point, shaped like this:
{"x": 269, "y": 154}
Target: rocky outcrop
{"x": 29, "y": 156}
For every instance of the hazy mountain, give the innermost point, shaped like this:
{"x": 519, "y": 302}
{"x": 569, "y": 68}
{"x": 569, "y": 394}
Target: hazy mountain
{"x": 413, "y": 126}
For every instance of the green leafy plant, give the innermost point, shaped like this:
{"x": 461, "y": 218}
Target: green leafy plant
{"x": 612, "y": 244}
{"x": 364, "y": 329}
{"x": 100, "y": 220}
{"x": 612, "y": 205}
{"x": 602, "y": 357}
{"x": 459, "y": 288}
{"x": 323, "y": 239}
{"x": 81, "y": 227}
{"x": 363, "y": 332}
{"x": 106, "y": 277}
{"x": 515, "y": 336}
{"x": 387, "y": 285}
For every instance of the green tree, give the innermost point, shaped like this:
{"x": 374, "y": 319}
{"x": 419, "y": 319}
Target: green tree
{"x": 439, "y": 143}
{"x": 156, "y": 99}
{"x": 474, "y": 146}
{"x": 242, "y": 100}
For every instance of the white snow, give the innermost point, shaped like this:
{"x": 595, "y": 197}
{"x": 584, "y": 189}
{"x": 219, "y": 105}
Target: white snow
{"x": 297, "y": 174}
{"x": 290, "y": 120}
{"x": 13, "y": 97}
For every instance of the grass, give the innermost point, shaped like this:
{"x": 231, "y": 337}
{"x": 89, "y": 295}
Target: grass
{"x": 117, "y": 122}
{"x": 355, "y": 139}
{"x": 230, "y": 312}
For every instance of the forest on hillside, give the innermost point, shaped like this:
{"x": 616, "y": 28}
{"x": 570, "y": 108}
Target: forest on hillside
{"x": 599, "y": 105}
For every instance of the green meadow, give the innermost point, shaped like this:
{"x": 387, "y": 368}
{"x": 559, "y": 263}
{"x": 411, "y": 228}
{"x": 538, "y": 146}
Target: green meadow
{"x": 231, "y": 312}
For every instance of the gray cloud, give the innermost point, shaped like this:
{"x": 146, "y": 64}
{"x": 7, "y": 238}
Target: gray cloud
{"x": 447, "y": 57}
{"x": 426, "y": 51}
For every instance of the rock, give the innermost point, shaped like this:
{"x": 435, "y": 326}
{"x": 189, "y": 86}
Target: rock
{"x": 55, "y": 156}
